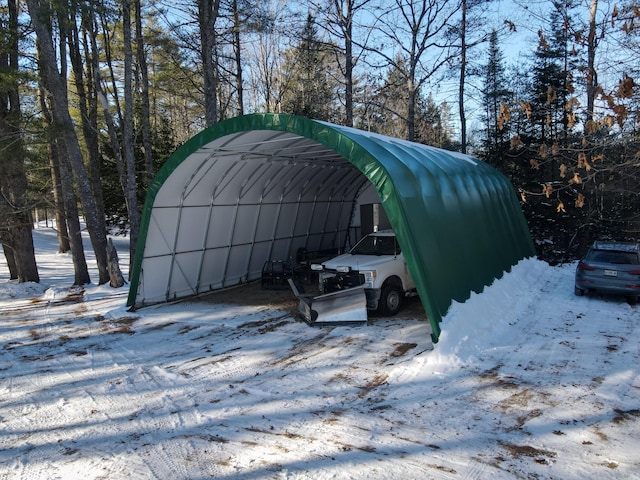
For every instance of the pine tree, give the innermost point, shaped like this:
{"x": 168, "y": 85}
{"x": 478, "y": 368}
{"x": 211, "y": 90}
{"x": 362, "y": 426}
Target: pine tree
{"x": 309, "y": 72}
{"x": 496, "y": 102}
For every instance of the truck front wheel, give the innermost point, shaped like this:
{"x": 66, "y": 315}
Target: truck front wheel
{"x": 390, "y": 299}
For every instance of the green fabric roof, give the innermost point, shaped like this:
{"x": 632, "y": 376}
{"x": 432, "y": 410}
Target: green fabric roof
{"x": 457, "y": 219}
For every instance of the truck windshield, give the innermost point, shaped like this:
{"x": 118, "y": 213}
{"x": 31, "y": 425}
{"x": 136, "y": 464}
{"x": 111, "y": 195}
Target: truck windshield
{"x": 376, "y": 245}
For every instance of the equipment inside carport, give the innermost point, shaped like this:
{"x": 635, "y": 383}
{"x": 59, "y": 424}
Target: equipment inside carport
{"x": 258, "y": 188}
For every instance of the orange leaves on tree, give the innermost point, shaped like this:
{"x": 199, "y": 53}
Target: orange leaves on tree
{"x": 621, "y": 114}
{"x": 582, "y": 162}
{"x": 576, "y": 179}
{"x": 560, "y": 208}
{"x": 534, "y": 164}
{"x": 547, "y": 189}
{"x": 551, "y": 95}
{"x": 515, "y": 142}
{"x": 523, "y": 196}
{"x": 526, "y": 108}
{"x": 626, "y": 87}
{"x": 543, "y": 151}
{"x": 580, "y": 201}
{"x": 511, "y": 25}
{"x": 542, "y": 42}
{"x": 555, "y": 149}
{"x": 504, "y": 117}
{"x": 571, "y": 104}
{"x": 591, "y": 127}
{"x": 563, "y": 171}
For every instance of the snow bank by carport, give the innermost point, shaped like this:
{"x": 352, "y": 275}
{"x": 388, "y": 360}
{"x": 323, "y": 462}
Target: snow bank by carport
{"x": 258, "y": 187}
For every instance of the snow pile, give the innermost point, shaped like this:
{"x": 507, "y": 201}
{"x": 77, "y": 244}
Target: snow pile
{"x": 468, "y": 327}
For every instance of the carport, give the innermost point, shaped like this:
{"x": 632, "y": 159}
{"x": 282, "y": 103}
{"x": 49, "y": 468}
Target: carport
{"x": 259, "y": 187}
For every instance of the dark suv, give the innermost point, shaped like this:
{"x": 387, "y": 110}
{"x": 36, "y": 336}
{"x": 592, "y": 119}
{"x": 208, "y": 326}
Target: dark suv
{"x": 610, "y": 267}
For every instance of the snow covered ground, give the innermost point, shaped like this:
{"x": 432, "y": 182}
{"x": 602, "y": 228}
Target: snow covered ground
{"x": 528, "y": 381}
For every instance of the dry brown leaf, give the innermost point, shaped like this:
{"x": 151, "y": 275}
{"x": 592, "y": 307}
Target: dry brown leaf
{"x": 582, "y": 159}
{"x": 543, "y": 151}
{"x": 576, "y": 179}
{"x": 591, "y": 127}
{"x": 504, "y": 117}
{"x": 511, "y": 25}
{"x": 626, "y": 87}
{"x": 555, "y": 149}
{"x": 534, "y": 164}
{"x": 563, "y": 171}
{"x": 560, "y": 208}
{"x": 542, "y": 42}
{"x": 551, "y": 95}
{"x": 526, "y": 107}
{"x": 573, "y": 102}
{"x": 547, "y": 190}
{"x": 515, "y": 142}
{"x": 580, "y": 201}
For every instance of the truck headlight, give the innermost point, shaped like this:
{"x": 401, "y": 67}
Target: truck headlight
{"x": 343, "y": 269}
{"x": 369, "y": 278}
{"x": 316, "y": 266}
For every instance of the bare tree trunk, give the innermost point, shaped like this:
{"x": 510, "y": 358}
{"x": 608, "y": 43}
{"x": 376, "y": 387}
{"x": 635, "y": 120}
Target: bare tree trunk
{"x": 130, "y": 191}
{"x": 348, "y": 67}
{"x": 16, "y": 218}
{"x": 56, "y": 88}
{"x": 117, "y": 280}
{"x": 86, "y": 100}
{"x": 81, "y": 272}
{"x": 11, "y": 259}
{"x": 592, "y": 77}
{"x": 58, "y": 199}
{"x": 463, "y": 74}
{"x": 145, "y": 120}
{"x": 207, "y": 15}
{"x": 67, "y": 213}
{"x": 238, "y": 57}
{"x": 411, "y": 108}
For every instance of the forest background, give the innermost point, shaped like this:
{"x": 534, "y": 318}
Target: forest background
{"x": 95, "y": 95}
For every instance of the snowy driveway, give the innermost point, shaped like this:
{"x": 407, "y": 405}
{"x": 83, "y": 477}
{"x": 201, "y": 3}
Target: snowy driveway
{"x": 527, "y": 381}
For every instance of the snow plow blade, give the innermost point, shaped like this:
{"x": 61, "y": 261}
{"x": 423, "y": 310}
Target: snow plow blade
{"x": 345, "y": 306}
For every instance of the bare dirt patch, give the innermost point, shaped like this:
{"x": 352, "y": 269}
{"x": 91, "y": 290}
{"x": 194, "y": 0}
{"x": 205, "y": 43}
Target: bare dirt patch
{"x": 283, "y": 299}
{"x": 253, "y": 294}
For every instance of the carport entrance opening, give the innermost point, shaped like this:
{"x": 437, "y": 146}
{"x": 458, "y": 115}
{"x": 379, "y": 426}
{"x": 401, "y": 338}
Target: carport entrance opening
{"x": 261, "y": 187}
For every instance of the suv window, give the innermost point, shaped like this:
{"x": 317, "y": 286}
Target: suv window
{"x": 608, "y": 256}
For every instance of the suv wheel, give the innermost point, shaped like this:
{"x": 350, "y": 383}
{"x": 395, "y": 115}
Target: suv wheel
{"x": 390, "y": 299}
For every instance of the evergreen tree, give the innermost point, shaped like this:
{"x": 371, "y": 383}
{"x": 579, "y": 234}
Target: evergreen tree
{"x": 496, "y": 102}
{"x": 388, "y": 112}
{"x": 310, "y": 77}
{"x": 553, "y": 73}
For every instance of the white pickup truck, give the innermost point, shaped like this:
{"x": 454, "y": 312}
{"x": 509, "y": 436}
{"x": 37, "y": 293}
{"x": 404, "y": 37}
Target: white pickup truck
{"x": 375, "y": 262}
